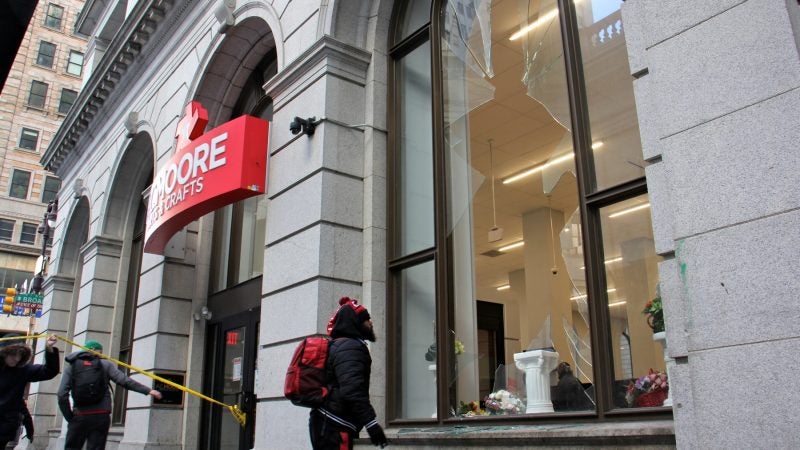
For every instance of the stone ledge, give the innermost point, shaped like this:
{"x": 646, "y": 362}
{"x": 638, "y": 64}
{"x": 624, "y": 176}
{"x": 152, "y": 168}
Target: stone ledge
{"x": 650, "y": 434}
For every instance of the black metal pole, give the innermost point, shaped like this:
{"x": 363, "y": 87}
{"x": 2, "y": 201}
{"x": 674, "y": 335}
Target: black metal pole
{"x": 44, "y": 229}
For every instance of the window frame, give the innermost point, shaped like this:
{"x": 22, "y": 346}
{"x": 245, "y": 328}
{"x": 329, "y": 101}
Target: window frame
{"x": 43, "y": 95}
{"x": 4, "y": 230}
{"x": 52, "y": 56}
{"x": 11, "y": 183}
{"x": 48, "y": 16}
{"x": 60, "y": 109}
{"x": 23, "y": 233}
{"x": 48, "y": 178}
{"x": 590, "y": 199}
{"x": 21, "y": 140}
{"x": 70, "y": 63}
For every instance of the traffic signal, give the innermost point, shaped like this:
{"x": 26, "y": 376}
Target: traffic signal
{"x": 8, "y": 301}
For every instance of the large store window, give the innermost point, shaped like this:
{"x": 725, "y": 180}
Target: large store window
{"x": 521, "y": 239}
{"x": 237, "y": 253}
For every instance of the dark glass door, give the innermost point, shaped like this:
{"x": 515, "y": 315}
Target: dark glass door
{"x": 234, "y": 368}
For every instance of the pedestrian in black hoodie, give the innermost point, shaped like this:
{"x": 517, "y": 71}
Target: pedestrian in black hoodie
{"x": 347, "y": 409}
{"x": 15, "y": 374}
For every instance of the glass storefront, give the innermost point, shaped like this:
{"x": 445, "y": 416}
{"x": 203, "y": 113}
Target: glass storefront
{"x": 528, "y": 253}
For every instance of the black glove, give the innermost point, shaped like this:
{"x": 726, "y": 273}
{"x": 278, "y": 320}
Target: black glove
{"x": 376, "y": 435}
{"x": 27, "y": 422}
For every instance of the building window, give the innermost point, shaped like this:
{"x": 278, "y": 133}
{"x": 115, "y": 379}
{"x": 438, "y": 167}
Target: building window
{"x": 6, "y": 229}
{"x": 237, "y": 249}
{"x": 54, "y": 16}
{"x": 50, "y": 189}
{"x": 38, "y": 94}
{"x": 75, "y": 63}
{"x": 20, "y": 180}
{"x": 28, "y": 139}
{"x": 28, "y": 235}
{"x": 519, "y": 195}
{"x": 11, "y": 277}
{"x": 47, "y": 52}
{"x": 68, "y": 97}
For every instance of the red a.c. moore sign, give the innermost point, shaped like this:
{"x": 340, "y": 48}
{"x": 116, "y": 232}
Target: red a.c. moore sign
{"x": 207, "y": 172}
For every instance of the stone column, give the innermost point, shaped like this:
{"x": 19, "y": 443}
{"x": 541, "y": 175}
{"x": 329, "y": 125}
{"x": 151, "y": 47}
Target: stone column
{"x": 161, "y": 343}
{"x": 56, "y": 319}
{"x": 546, "y": 293}
{"x": 316, "y": 236}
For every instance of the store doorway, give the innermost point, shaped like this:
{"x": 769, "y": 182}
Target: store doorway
{"x": 233, "y": 355}
{"x": 491, "y": 345}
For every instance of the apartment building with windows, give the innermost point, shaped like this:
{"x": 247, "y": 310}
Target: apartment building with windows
{"x": 41, "y": 87}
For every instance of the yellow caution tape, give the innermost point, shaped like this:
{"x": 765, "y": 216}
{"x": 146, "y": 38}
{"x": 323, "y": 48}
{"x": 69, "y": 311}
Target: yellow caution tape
{"x": 239, "y": 415}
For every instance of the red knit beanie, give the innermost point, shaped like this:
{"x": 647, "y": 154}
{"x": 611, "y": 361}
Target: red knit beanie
{"x": 361, "y": 312}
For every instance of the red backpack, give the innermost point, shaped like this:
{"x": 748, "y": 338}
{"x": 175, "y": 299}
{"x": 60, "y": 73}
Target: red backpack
{"x": 306, "y": 381}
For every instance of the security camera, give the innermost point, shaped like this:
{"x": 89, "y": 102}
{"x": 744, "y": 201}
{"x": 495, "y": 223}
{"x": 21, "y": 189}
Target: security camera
{"x": 296, "y": 126}
{"x": 305, "y": 125}
{"x": 554, "y": 270}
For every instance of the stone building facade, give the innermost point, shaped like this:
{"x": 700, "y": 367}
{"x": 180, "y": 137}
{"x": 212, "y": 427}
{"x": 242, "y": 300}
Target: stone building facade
{"x": 613, "y": 152}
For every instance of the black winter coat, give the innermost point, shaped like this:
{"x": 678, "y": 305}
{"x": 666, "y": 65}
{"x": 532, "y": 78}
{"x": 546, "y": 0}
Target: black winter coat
{"x": 12, "y": 388}
{"x": 350, "y": 364}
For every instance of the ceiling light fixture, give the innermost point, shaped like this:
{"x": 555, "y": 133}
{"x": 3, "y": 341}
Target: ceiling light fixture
{"x": 504, "y": 287}
{"x": 629, "y": 210}
{"x": 608, "y": 261}
{"x": 584, "y": 295}
{"x": 548, "y": 16}
{"x": 542, "y": 166}
{"x": 511, "y": 246}
{"x": 616, "y": 304}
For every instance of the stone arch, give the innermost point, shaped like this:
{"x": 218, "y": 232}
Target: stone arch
{"x": 231, "y": 64}
{"x": 76, "y": 235}
{"x": 362, "y": 24}
{"x": 132, "y": 174}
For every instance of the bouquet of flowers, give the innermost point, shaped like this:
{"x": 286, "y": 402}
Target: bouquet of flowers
{"x": 655, "y": 314}
{"x": 471, "y": 409}
{"x": 648, "y": 390}
{"x": 504, "y": 402}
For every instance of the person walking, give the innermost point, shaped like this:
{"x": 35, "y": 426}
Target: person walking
{"x": 86, "y": 378}
{"x": 347, "y": 409}
{"x": 15, "y": 374}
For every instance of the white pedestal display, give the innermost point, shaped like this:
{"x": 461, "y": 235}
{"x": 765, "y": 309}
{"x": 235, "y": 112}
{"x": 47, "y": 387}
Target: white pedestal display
{"x": 661, "y": 338}
{"x": 432, "y": 369}
{"x": 537, "y": 365}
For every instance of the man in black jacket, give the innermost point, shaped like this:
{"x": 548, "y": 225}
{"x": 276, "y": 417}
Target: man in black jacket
{"x": 90, "y": 423}
{"x": 347, "y": 408}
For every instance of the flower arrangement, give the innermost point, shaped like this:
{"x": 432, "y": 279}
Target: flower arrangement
{"x": 458, "y": 349}
{"x": 648, "y": 390}
{"x": 504, "y": 402}
{"x": 655, "y": 314}
{"x": 471, "y": 409}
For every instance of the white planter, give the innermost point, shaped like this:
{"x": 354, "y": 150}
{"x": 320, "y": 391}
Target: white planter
{"x": 661, "y": 338}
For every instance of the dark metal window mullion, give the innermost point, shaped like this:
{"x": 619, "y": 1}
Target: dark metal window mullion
{"x": 444, "y": 305}
{"x": 396, "y": 263}
{"x": 592, "y": 234}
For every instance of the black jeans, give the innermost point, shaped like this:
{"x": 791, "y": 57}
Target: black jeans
{"x": 91, "y": 429}
{"x": 327, "y": 435}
